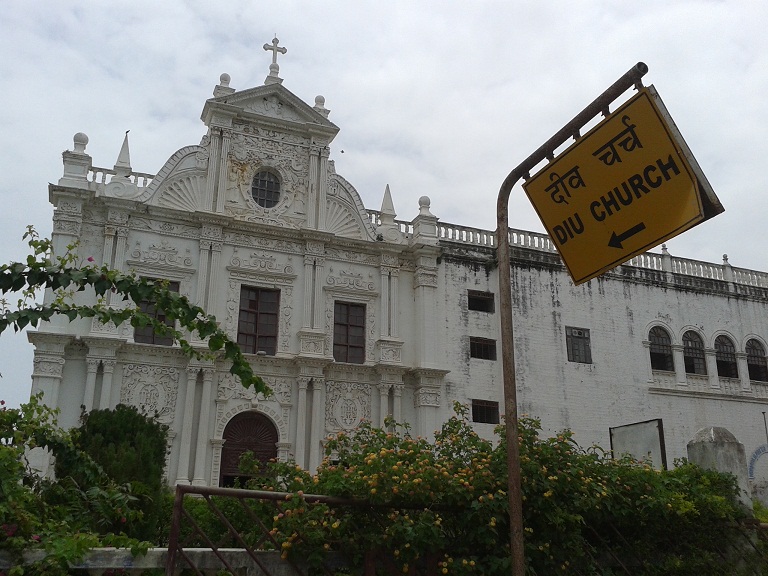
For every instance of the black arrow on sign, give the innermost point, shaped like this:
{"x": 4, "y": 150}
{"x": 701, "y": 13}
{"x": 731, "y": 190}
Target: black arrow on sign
{"x": 617, "y": 239}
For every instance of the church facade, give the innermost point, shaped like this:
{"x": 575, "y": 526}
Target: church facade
{"x": 351, "y": 314}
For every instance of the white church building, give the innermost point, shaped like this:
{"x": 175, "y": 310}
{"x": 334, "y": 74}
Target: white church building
{"x": 352, "y": 314}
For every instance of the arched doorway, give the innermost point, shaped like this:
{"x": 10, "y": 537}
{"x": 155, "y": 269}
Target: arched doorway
{"x": 248, "y": 431}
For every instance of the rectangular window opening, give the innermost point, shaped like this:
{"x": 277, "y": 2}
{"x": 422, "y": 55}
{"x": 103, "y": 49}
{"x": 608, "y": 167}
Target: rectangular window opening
{"x": 147, "y": 334}
{"x": 480, "y": 301}
{"x": 349, "y": 332}
{"x": 482, "y": 348}
{"x": 577, "y": 342}
{"x": 485, "y": 411}
{"x": 258, "y": 320}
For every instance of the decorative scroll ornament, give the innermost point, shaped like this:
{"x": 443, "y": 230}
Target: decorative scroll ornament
{"x": 152, "y": 389}
{"x": 347, "y": 405}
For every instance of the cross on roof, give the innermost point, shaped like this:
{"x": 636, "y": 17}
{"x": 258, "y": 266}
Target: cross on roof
{"x": 275, "y": 49}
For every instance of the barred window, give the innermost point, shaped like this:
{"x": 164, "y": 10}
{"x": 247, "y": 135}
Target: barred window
{"x": 726, "y": 357}
{"x": 258, "y": 320}
{"x": 265, "y": 189}
{"x": 485, "y": 411}
{"x": 349, "y": 332}
{"x": 146, "y": 334}
{"x": 693, "y": 353}
{"x": 756, "y": 363}
{"x": 482, "y": 348}
{"x": 661, "y": 349}
{"x": 577, "y": 342}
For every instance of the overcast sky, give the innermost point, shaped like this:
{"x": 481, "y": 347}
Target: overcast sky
{"x": 434, "y": 98}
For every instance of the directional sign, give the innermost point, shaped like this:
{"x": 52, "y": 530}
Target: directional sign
{"x": 621, "y": 189}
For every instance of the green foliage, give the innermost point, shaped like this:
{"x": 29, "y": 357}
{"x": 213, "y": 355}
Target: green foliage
{"x": 130, "y": 448}
{"x": 66, "y": 277}
{"x": 583, "y": 512}
{"x": 63, "y": 517}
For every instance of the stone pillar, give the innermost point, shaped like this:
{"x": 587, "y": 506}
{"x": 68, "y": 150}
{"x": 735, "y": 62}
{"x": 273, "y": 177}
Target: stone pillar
{"x": 743, "y": 368}
{"x": 301, "y": 422}
{"x": 711, "y": 359}
{"x": 213, "y": 287}
{"x": 383, "y": 403}
{"x": 427, "y": 400}
{"x": 715, "y": 448}
{"x": 397, "y": 412}
{"x": 105, "y": 401}
{"x": 213, "y": 162}
{"x": 648, "y": 365}
{"x": 90, "y": 383}
{"x": 186, "y": 444}
{"x": 202, "y": 272}
{"x": 678, "y": 358}
{"x": 221, "y": 192}
{"x": 203, "y": 440}
{"x": 322, "y": 187}
{"x": 313, "y": 191}
{"x": 318, "y": 423}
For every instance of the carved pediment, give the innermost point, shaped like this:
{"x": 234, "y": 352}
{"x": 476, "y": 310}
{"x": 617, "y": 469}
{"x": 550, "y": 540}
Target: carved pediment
{"x": 267, "y": 104}
{"x": 180, "y": 183}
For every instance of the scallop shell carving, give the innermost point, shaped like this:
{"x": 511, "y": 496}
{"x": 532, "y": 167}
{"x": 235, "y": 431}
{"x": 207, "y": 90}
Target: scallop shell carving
{"x": 341, "y": 222}
{"x": 184, "y": 193}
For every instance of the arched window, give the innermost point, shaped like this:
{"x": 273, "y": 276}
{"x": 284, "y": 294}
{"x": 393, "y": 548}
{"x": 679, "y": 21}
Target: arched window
{"x": 265, "y": 189}
{"x": 693, "y": 353}
{"x": 758, "y": 369}
{"x": 248, "y": 431}
{"x": 726, "y": 357}
{"x": 661, "y": 349}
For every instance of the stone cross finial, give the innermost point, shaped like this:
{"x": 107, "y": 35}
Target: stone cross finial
{"x": 275, "y": 49}
{"x": 274, "y": 68}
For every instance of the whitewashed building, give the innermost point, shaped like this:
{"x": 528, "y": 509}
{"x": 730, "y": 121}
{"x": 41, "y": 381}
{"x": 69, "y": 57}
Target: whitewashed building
{"x": 350, "y": 314}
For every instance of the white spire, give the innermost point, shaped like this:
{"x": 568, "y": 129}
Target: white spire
{"x": 387, "y": 207}
{"x": 123, "y": 165}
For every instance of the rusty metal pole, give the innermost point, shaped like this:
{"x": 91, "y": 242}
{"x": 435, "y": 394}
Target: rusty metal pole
{"x": 571, "y": 130}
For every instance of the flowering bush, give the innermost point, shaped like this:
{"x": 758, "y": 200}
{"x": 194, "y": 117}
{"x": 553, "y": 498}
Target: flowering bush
{"x": 583, "y": 512}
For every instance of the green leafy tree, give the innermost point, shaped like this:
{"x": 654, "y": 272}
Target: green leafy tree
{"x": 86, "y": 507}
{"x": 130, "y": 447}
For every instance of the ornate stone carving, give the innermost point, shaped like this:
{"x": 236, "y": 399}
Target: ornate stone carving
{"x": 63, "y": 226}
{"x": 352, "y": 256}
{"x": 427, "y": 396}
{"x": 183, "y": 193}
{"x": 152, "y": 389}
{"x": 425, "y": 277}
{"x": 347, "y": 404}
{"x": 163, "y": 254}
{"x": 165, "y": 227}
{"x": 349, "y": 280}
{"x": 262, "y": 262}
{"x": 117, "y": 217}
{"x": 48, "y": 366}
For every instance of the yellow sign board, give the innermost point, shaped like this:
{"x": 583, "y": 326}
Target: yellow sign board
{"x": 621, "y": 189}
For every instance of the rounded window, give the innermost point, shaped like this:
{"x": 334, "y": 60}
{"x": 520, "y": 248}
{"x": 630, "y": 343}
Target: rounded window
{"x": 266, "y": 189}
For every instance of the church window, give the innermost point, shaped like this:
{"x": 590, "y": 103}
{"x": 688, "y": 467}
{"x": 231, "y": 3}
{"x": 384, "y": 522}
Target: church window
{"x": 349, "y": 332}
{"x": 258, "y": 320}
{"x": 485, "y": 411}
{"x": 726, "y": 357}
{"x": 265, "y": 189}
{"x": 661, "y": 349}
{"x": 693, "y": 353}
{"x": 482, "y": 348}
{"x": 578, "y": 345}
{"x": 480, "y": 301}
{"x": 756, "y": 363}
{"x": 146, "y": 334}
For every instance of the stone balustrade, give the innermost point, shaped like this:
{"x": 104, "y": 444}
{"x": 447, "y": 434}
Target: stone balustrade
{"x": 99, "y": 176}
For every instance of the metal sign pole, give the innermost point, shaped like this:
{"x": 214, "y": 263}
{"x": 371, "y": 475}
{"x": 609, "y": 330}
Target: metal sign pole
{"x": 570, "y": 130}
